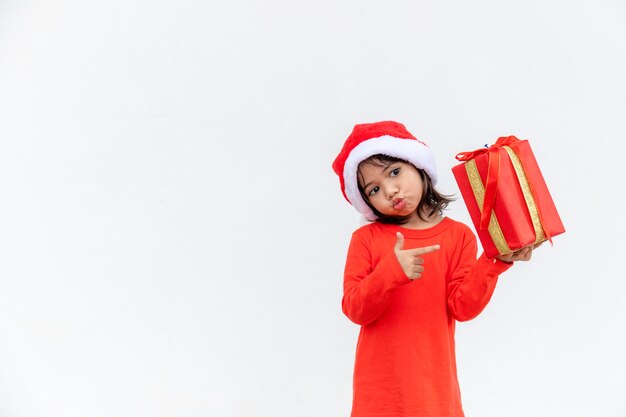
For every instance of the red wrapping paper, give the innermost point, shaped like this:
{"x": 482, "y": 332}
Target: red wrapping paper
{"x": 524, "y": 211}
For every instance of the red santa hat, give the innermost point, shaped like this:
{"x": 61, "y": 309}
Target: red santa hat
{"x": 386, "y": 138}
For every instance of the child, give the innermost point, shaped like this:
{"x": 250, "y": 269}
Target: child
{"x": 409, "y": 276}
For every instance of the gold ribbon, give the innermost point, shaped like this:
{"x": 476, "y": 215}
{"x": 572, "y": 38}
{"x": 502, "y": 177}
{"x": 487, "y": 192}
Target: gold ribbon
{"x": 540, "y": 236}
{"x": 478, "y": 189}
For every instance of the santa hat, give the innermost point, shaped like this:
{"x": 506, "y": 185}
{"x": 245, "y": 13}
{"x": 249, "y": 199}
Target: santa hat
{"x": 386, "y": 138}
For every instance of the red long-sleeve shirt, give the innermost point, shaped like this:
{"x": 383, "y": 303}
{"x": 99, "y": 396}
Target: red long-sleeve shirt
{"x": 405, "y": 359}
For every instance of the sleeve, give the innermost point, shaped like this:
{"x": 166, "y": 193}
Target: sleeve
{"x": 367, "y": 291}
{"x": 472, "y": 281}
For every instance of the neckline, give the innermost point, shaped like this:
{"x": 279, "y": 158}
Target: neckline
{"x": 417, "y": 233}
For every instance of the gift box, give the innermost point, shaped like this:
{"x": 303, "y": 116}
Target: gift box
{"x": 507, "y": 197}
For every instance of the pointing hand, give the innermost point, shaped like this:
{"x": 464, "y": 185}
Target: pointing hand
{"x": 410, "y": 259}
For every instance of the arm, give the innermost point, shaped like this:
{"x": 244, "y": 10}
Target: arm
{"x": 472, "y": 282}
{"x": 367, "y": 291}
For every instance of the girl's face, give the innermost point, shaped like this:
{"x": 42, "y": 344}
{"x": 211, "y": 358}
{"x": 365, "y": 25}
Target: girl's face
{"x": 393, "y": 190}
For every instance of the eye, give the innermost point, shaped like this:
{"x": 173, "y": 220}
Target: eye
{"x": 373, "y": 191}
{"x": 394, "y": 172}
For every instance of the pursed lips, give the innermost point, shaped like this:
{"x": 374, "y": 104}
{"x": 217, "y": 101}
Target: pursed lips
{"x": 398, "y": 203}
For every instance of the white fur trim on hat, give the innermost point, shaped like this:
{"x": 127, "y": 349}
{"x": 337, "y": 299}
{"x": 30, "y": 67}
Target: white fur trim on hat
{"x": 411, "y": 150}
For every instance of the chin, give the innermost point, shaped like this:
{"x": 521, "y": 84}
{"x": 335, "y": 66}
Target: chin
{"x": 402, "y": 214}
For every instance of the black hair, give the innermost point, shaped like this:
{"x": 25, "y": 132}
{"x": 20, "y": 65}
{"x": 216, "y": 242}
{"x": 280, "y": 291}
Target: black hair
{"x": 431, "y": 202}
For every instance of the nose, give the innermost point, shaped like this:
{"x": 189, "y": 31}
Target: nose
{"x": 391, "y": 191}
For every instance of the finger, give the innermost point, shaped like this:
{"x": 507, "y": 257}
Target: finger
{"x": 537, "y": 245}
{"x": 506, "y": 258}
{"x": 419, "y": 269}
{"x": 417, "y": 260}
{"x": 425, "y": 250}
{"x": 415, "y": 275}
{"x": 523, "y": 254}
{"x": 399, "y": 242}
{"x": 528, "y": 255}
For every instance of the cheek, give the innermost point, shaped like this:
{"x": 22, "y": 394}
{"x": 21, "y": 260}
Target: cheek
{"x": 377, "y": 200}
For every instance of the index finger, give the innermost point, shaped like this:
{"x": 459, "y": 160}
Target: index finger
{"x": 425, "y": 250}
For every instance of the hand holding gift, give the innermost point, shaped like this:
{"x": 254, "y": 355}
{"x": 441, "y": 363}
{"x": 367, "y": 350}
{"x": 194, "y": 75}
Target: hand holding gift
{"x": 523, "y": 254}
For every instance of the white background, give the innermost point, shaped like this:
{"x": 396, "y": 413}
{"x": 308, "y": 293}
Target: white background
{"x": 172, "y": 237}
